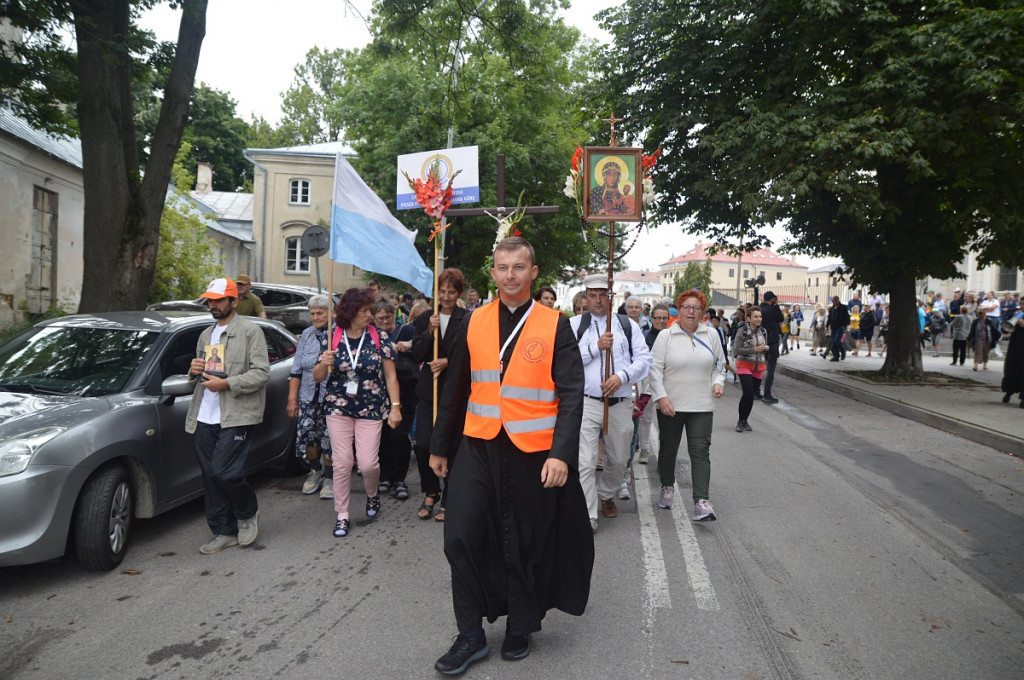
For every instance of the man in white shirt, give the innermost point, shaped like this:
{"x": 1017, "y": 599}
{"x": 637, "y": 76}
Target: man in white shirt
{"x": 630, "y": 363}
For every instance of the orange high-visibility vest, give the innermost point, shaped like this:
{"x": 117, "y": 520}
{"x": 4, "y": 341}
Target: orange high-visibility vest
{"x": 525, "y": 403}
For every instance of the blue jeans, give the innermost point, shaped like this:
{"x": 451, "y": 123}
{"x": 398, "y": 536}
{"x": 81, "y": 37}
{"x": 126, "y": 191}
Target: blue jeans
{"x": 838, "y": 348}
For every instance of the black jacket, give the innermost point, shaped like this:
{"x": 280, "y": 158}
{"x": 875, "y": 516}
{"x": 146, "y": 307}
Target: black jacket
{"x": 422, "y": 351}
{"x": 838, "y": 317}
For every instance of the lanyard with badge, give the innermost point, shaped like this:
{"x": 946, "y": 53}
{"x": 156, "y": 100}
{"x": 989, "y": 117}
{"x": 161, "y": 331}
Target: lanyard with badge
{"x": 352, "y": 385}
{"x": 693, "y": 336}
{"x": 512, "y": 335}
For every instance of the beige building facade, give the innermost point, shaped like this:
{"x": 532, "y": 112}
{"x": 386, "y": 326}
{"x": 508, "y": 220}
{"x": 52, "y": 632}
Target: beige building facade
{"x": 783, "y": 276}
{"x": 293, "y": 188}
{"x": 42, "y": 205}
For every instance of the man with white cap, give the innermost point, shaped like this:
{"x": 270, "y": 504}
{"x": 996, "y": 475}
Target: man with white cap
{"x": 630, "y": 363}
{"x": 224, "y": 409}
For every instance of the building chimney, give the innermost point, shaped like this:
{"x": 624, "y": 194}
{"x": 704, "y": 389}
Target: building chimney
{"x": 204, "y": 178}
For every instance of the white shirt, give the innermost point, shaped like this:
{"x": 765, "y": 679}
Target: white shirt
{"x": 629, "y": 370}
{"x": 209, "y": 407}
{"x": 445, "y": 318}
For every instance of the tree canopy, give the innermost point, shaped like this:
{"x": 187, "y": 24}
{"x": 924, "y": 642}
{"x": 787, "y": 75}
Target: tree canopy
{"x": 520, "y": 85}
{"x": 887, "y": 133}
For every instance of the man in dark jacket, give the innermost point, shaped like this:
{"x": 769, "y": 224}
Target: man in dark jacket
{"x": 771, "y": 320}
{"x": 838, "y": 320}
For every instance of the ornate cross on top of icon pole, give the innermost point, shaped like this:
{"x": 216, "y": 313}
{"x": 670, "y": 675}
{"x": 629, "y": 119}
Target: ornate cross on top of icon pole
{"x": 612, "y": 121}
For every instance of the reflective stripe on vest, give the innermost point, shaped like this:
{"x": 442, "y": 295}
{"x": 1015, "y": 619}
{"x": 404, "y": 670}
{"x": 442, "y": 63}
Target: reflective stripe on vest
{"x": 526, "y": 403}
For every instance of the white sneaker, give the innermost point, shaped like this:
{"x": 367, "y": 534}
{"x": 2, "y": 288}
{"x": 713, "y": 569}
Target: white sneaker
{"x": 667, "y": 497}
{"x": 314, "y": 480}
{"x": 643, "y": 456}
{"x": 703, "y": 512}
{"x": 624, "y": 491}
{"x": 327, "y": 492}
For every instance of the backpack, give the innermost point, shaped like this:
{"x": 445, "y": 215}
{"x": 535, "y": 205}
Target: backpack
{"x": 623, "y": 321}
{"x": 374, "y": 335}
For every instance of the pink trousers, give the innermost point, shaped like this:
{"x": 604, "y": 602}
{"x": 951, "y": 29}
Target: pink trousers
{"x": 345, "y": 430}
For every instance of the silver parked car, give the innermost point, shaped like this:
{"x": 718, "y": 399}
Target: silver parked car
{"x": 282, "y": 302}
{"x": 92, "y": 430}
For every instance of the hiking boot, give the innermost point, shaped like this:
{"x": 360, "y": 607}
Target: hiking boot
{"x": 464, "y": 651}
{"x": 703, "y": 512}
{"x": 609, "y": 509}
{"x": 314, "y": 480}
{"x": 327, "y": 492}
{"x": 248, "y": 529}
{"x": 373, "y": 506}
{"x": 218, "y": 543}
{"x": 667, "y": 497}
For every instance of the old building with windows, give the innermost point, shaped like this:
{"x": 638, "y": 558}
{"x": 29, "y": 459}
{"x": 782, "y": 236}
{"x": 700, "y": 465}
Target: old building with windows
{"x": 293, "y": 188}
{"x": 783, "y": 275}
{"x": 41, "y": 214}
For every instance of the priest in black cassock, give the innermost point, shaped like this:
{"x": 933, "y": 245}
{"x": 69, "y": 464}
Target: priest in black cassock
{"x": 517, "y": 534}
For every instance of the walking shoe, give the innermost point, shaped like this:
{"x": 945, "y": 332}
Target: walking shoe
{"x": 515, "y": 647}
{"x": 464, "y": 651}
{"x": 384, "y": 487}
{"x": 401, "y": 491}
{"x": 757, "y": 396}
{"x": 769, "y": 399}
{"x": 314, "y": 479}
{"x": 218, "y": 543}
{"x": 624, "y": 491}
{"x": 667, "y": 496}
{"x": 703, "y": 512}
{"x": 248, "y": 529}
{"x": 373, "y": 506}
{"x": 327, "y": 492}
{"x": 739, "y": 426}
{"x": 747, "y": 427}
{"x": 609, "y": 509}
{"x": 643, "y": 456}
{"x": 341, "y": 528}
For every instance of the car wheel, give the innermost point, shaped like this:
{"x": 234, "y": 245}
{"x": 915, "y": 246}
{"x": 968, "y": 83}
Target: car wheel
{"x": 103, "y": 519}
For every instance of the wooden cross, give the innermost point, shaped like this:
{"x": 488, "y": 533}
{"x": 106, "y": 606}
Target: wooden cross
{"x": 612, "y": 121}
{"x": 501, "y": 210}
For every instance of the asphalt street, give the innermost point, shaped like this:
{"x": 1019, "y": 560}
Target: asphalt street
{"x": 851, "y": 543}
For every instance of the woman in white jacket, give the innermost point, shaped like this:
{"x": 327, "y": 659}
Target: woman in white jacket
{"x": 687, "y": 375}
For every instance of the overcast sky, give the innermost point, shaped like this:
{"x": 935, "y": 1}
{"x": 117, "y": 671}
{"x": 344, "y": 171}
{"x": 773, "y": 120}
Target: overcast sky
{"x": 252, "y": 47}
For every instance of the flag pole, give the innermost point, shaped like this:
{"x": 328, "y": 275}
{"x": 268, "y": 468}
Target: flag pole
{"x": 330, "y": 314}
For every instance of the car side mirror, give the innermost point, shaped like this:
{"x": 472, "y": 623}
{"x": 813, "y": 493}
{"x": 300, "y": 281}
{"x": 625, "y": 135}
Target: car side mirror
{"x": 175, "y": 386}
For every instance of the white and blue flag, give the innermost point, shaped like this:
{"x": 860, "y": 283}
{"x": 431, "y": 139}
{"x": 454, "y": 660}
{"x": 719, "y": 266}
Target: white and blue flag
{"x": 366, "y": 234}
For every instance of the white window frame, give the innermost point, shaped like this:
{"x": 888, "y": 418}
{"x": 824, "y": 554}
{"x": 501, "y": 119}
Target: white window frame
{"x": 298, "y": 192}
{"x": 296, "y": 260}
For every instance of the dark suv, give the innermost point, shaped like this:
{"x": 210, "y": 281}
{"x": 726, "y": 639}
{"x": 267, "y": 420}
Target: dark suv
{"x": 284, "y": 303}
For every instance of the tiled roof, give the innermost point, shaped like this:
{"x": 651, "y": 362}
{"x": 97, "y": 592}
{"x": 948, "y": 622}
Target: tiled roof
{"x": 66, "y": 149}
{"x": 762, "y": 257}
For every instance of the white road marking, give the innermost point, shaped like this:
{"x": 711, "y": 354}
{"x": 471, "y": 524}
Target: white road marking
{"x": 700, "y": 580}
{"x": 655, "y": 576}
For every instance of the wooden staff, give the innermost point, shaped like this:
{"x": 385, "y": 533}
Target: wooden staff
{"x": 608, "y": 326}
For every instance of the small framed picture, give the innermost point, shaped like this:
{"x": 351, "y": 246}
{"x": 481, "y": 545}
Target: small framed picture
{"x": 613, "y": 184}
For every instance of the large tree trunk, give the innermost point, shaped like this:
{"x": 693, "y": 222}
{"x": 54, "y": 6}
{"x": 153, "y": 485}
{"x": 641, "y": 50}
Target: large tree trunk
{"x": 122, "y": 208}
{"x": 903, "y": 357}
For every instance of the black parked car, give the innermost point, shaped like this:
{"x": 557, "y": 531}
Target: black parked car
{"x": 92, "y": 430}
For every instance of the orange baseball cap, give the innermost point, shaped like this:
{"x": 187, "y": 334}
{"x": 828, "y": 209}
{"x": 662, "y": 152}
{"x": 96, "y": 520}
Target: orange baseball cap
{"x": 220, "y": 289}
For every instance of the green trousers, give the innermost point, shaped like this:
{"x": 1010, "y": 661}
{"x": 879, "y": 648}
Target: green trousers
{"x": 698, "y": 444}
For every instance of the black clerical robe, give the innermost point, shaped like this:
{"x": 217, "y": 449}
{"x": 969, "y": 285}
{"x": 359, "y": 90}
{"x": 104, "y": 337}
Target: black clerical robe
{"x": 515, "y": 548}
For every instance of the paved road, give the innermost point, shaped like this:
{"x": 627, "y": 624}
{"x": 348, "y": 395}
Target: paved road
{"x": 851, "y": 544}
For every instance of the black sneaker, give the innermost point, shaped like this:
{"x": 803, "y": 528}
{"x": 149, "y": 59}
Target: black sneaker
{"x": 747, "y": 427}
{"x": 769, "y": 399}
{"x": 463, "y": 652}
{"x": 757, "y": 396}
{"x": 739, "y": 426}
{"x": 515, "y": 647}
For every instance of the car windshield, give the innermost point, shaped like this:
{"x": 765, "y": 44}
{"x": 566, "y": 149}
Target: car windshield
{"x": 71, "y": 360}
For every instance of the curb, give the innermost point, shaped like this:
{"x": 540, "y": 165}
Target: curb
{"x": 969, "y": 431}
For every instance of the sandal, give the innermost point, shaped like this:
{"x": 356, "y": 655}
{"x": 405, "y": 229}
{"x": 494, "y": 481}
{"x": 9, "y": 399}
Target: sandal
{"x": 341, "y": 528}
{"x": 427, "y": 509}
{"x": 439, "y": 515}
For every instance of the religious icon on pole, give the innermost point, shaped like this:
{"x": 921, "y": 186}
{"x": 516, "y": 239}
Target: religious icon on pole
{"x": 613, "y": 184}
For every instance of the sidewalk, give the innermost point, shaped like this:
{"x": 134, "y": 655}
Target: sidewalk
{"x": 974, "y": 412}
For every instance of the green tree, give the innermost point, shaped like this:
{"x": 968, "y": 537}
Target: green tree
{"x": 123, "y": 199}
{"x": 522, "y": 75}
{"x": 308, "y": 105}
{"x": 887, "y": 133}
{"x": 695, "y": 276}
{"x": 186, "y": 260}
